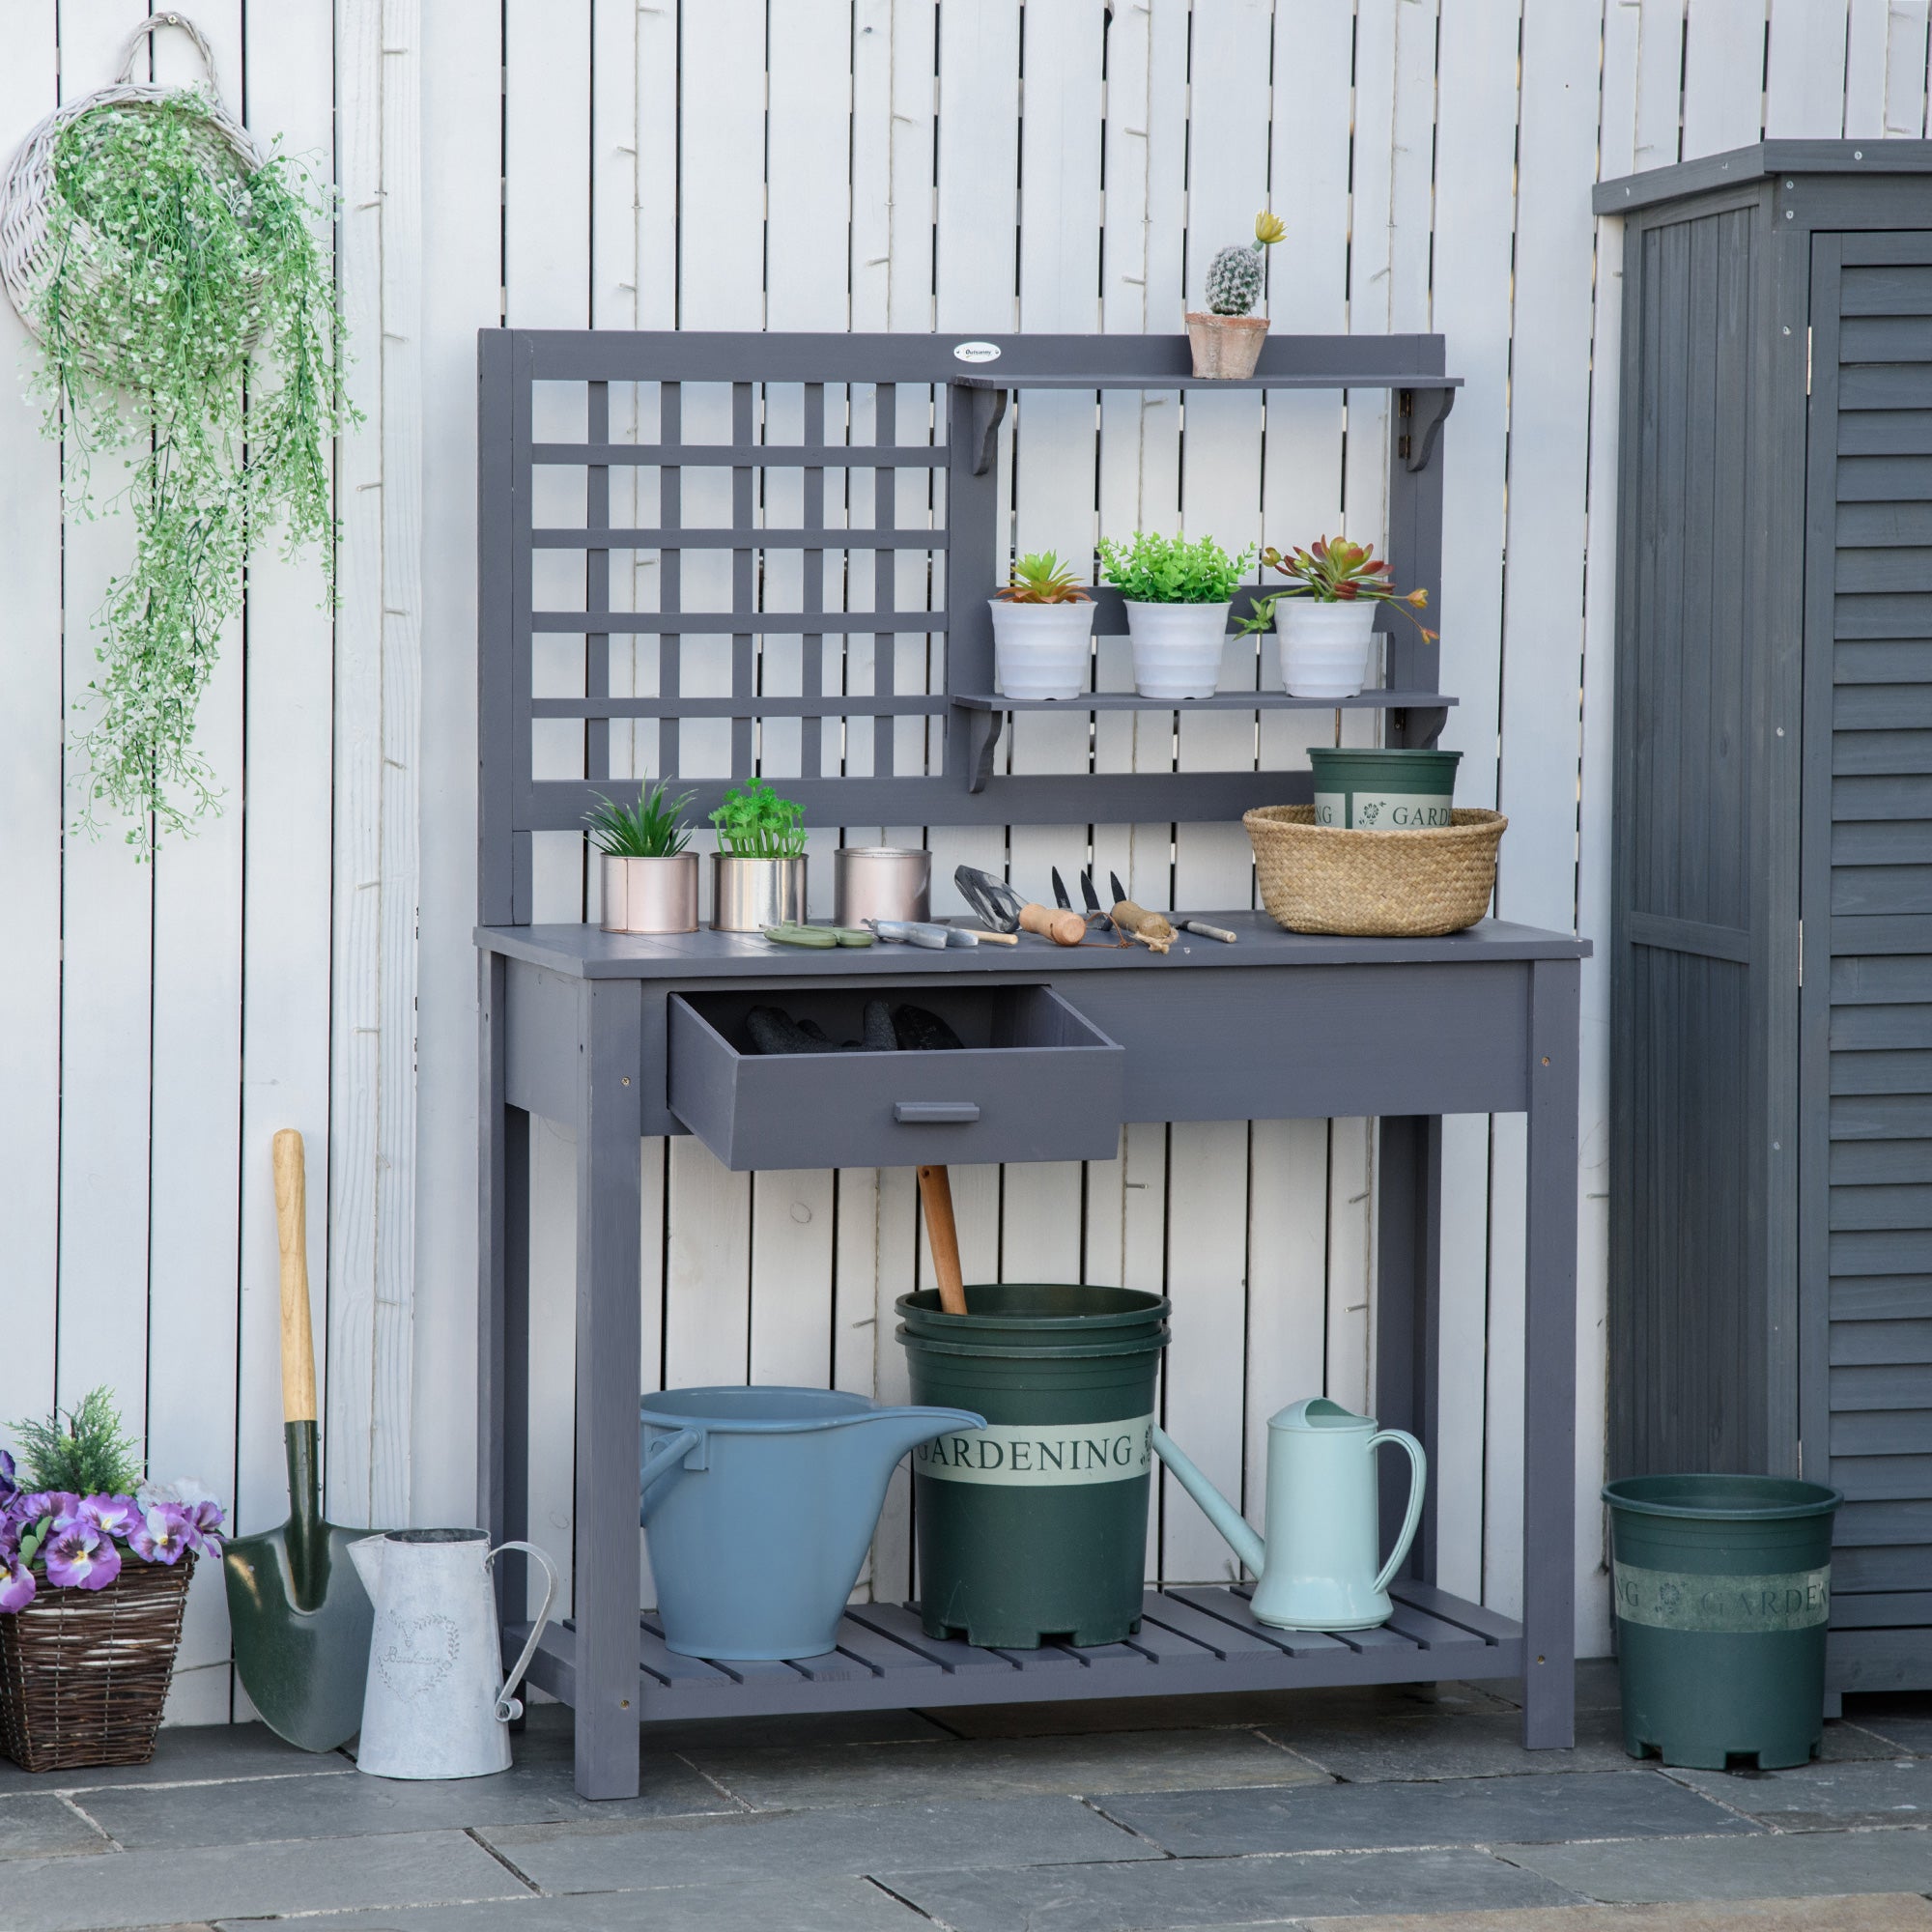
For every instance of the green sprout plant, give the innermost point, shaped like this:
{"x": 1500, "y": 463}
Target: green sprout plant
{"x": 1235, "y": 274}
{"x": 653, "y": 827}
{"x": 169, "y": 270}
{"x": 755, "y": 823}
{"x": 1041, "y": 578}
{"x": 83, "y": 1450}
{"x": 1332, "y": 570}
{"x": 1152, "y": 569}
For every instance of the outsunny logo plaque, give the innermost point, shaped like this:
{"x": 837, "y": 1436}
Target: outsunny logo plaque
{"x": 975, "y": 351}
{"x": 1054, "y": 1455}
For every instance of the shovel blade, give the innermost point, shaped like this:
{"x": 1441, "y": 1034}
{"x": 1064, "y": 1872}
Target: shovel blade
{"x": 304, "y": 1654}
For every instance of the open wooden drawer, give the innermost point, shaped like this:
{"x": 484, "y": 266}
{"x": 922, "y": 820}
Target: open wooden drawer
{"x": 1033, "y": 1081}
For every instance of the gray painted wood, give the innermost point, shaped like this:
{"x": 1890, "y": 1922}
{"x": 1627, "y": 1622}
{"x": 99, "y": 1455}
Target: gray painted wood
{"x": 962, "y": 784}
{"x": 1773, "y": 1142}
{"x": 1191, "y": 1641}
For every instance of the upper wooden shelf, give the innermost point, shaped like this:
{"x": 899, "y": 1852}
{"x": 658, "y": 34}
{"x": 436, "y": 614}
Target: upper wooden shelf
{"x": 1418, "y": 379}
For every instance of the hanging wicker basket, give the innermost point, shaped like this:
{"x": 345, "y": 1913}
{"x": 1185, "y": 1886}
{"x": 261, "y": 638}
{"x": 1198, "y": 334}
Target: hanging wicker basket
{"x": 30, "y": 249}
{"x": 1413, "y": 885}
{"x": 84, "y": 1673}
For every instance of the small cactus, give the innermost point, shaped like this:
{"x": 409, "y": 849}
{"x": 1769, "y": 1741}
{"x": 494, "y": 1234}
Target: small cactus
{"x": 1235, "y": 274}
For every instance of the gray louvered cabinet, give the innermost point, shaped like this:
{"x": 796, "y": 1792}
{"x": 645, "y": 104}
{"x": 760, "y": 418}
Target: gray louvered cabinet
{"x": 1770, "y": 1169}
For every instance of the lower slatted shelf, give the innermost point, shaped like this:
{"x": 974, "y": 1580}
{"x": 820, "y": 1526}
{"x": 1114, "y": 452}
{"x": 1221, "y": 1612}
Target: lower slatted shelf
{"x": 1193, "y": 1640}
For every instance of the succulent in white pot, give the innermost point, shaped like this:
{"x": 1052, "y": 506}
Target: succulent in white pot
{"x": 1226, "y": 337}
{"x": 1042, "y": 624}
{"x": 1325, "y": 618}
{"x": 1177, "y": 595}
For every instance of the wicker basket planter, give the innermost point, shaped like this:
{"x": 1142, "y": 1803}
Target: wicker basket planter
{"x": 29, "y": 249}
{"x": 1319, "y": 878}
{"x": 84, "y": 1673}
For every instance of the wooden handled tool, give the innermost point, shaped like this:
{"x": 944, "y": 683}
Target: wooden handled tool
{"x": 1063, "y": 927}
{"x": 290, "y": 1224}
{"x": 935, "y": 1196}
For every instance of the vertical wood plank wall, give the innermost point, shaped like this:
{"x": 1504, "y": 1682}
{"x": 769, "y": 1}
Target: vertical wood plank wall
{"x": 820, "y": 164}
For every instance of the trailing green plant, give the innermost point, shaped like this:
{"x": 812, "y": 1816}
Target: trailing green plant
{"x": 653, "y": 827}
{"x": 1150, "y": 569}
{"x": 755, "y": 823}
{"x": 168, "y": 268}
{"x": 1235, "y": 274}
{"x": 1041, "y": 578}
{"x": 1332, "y": 570}
{"x": 81, "y": 1450}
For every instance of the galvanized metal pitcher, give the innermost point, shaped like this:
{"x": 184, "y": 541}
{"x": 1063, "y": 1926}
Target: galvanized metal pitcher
{"x": 438, "y": 1704}
{"x": 1317, "y": 1567}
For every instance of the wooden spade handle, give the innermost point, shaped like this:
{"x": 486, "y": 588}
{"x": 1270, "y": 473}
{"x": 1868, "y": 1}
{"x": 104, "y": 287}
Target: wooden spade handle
{"x": 1062, "y": 927}
{"x": 292, "y": 1229}
{"x": 935, "y": 1196}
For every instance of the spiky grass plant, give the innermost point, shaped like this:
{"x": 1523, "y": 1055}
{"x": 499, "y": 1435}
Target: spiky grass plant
{"x": 653, "y": 827}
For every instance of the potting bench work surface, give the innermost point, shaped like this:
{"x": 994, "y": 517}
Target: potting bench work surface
{"x": 622, "y": 1036}
{"x": 1382, "y": 1810}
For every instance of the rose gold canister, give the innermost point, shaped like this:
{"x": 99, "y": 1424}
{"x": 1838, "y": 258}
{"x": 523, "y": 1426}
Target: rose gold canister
{"x": 880, "y": 882}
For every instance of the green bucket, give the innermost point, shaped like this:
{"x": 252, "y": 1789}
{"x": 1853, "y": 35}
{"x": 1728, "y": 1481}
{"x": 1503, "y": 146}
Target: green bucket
{"x": 1383, "y": 791}
{"x": 1035, "y": 1528}
{"x": 1723, "y": 1590}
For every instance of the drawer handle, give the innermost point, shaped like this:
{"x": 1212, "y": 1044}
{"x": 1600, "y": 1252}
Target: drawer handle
{"x": 931, "y": 1113}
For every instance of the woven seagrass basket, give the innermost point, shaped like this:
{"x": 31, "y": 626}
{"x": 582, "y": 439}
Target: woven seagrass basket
{"x": 84, "y": 1673}
{"x": 30, "y": 251}
{"x": 1410, "y": 885}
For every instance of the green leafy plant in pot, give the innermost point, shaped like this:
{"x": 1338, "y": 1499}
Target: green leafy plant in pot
{"x": 1325, "y": 618}
{"x": 758, "y": 871}
{"x": 161, "y": 258}
{"x": 650, "y": 879}
{"x": 1179, "y": 594}
{"x": 1042, "y": 622}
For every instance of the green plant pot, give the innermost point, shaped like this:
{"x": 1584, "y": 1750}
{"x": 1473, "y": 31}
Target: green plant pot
{"x": 1723, "y": 1590}
{"x": 1383, "y": 791}
{"x": 1035, "y": 1527}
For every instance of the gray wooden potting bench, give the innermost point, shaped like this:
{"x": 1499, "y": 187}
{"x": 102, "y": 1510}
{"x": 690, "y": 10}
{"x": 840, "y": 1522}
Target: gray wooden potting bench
{"x": 620, "y": 1036}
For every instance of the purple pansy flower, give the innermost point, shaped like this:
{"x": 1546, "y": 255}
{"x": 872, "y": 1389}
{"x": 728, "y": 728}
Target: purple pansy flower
{"x": 16, "y": 1584}
{"x": 162, "y": 1535}
{"x": 204, "y": 1526}
{"x": 82, "y": 1559}
{"x": 8, "y": 1484}
{"x": 112, "y": 1515}
{"x": 62, "y": 1505}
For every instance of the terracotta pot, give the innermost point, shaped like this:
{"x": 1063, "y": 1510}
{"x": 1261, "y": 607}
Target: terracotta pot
{"x": 1226, "y": 345}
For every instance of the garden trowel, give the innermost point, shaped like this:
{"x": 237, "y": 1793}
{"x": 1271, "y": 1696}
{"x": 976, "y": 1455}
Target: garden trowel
{"x": 300, "y": 1614}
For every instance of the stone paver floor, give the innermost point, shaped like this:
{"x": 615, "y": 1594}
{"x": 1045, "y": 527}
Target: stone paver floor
{"x": 1394, "y": 1810}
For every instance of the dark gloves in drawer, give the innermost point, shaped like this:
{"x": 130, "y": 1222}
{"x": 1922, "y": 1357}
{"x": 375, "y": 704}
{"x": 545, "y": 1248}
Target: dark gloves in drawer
{"x": 904, "y": 1029}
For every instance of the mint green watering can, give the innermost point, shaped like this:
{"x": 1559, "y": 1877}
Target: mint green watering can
{"x": 1317, "y": 1567}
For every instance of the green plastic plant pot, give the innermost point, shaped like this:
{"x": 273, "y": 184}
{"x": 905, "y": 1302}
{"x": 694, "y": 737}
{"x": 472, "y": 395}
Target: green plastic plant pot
{"x": 1035, "y": 1528}
{"x": 1383, "y": 791}
{"x": 1722, "y": 1590}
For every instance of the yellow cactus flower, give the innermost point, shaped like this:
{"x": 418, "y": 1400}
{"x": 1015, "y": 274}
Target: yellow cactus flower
{"x": 1268, "y": 228}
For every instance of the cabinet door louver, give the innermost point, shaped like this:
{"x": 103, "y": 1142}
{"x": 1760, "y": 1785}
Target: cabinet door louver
{"x": 1866, "y": 1208}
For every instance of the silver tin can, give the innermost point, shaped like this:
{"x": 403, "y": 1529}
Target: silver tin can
{"x": 880, "y": 882}
{"x": 650, "y": 894}
{"x": 749, "y": 894}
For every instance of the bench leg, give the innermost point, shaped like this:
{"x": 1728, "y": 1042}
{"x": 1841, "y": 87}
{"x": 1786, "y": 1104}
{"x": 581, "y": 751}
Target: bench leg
{"x": 608, "y": 1284}
{"x": 1550, "y": 1365}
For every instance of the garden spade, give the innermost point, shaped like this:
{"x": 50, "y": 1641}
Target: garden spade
{"x": 300, "y": 1615}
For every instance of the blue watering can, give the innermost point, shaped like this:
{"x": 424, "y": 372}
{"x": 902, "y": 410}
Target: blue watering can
{"x": 1317, "y": 1568}
{"x": 759, "y": 1504}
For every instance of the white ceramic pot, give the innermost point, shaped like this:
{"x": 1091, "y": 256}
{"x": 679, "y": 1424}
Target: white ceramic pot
{"x": 1178, "y": 648}
{"x": 1325, "y": 647}
{"x": 1039, "y": 650}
